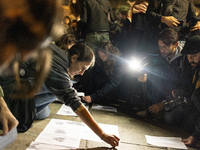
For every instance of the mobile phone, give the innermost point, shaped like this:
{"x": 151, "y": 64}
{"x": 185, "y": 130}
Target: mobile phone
{"x": 181, "y": 23}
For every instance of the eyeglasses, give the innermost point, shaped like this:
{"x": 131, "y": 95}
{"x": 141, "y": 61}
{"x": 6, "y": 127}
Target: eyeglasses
{"x": 165, "y": 48}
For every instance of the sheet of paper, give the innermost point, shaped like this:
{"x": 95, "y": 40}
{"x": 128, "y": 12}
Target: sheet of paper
{"x": 66, "y": 111}
{"x": 106, "y": 108}
{"x": 64, "y": 127}
{"x": 43, "y": 146}
{"x": 61, "y": 132}
{"x": 81, "y": 94}
{"x": 8, "y": 138}
{"x": 65, "y": 133}
{"x": 171, "y": 142}
{"x": 88, "y": 134}
{"x": 57, "y": 139}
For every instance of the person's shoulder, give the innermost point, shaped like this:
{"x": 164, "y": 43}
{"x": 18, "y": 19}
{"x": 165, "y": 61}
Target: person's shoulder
{"x": 180, "y": 46}
{"x": 55, "y": 49}
{"x": 58, "y": 54}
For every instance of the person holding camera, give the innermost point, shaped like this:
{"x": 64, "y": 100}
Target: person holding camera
{"x": 170, "y": 71}
{"x": 188, "y": 107}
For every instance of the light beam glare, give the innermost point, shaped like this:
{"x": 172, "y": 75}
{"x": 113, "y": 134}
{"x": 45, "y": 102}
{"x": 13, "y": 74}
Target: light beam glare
{"x": 134, "y": 64}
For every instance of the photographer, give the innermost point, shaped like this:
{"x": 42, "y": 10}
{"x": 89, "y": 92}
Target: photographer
{"x": 190, "y": 112}
{"x": 170, "y": 71}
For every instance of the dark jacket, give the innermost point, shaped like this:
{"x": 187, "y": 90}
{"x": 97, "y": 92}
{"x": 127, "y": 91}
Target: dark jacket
{"x": 94, "y": 15}
{"x": 113, "y": 82}
{"x": 195, "y": 100}
{"x": 167, "y": 76}
{"x": 58, "y": 80}
{"x": 183, "y": 10}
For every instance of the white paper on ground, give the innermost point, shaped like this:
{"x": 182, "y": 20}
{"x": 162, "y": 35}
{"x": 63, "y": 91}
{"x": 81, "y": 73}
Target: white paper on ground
{"x": 106, "y": 108}
{"x": 43, "y": 146}
{"x": 61, "y": 140}
{"x": 88, "y": 134}
{"x": 61, "y": 132}
{"x": 66, "y": 111}
{"x": 171, "y": 142}
{"x": 65, "y": 133}
{"x": 8, "y": 138}
{"x": 64, "y": 128}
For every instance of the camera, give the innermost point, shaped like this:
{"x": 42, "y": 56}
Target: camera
{"x": 170, "y": 105}
{"x": 191, "y": 23}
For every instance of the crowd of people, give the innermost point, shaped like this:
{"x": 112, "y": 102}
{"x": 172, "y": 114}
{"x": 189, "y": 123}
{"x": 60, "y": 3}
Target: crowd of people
{"x": 48, "y": 51}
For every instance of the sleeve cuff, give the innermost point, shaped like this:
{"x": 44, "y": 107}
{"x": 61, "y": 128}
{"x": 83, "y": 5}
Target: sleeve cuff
{"x": 1, "y": 92}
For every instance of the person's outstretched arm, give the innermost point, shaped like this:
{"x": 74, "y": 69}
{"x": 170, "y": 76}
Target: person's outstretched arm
{"x": 86, "y": 117}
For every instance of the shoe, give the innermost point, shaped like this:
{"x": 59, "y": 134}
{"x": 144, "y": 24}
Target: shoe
{"x": 143, "y": 114}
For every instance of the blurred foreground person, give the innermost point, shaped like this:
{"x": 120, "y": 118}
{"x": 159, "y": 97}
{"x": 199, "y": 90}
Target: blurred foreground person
{"x": 26, "y": 30}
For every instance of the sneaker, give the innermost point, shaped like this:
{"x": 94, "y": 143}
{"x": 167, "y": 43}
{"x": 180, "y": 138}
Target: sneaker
{"x": 143, "y": 114}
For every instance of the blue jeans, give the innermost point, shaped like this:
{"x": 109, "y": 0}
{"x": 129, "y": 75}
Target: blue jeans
{"x": 42, "y": 100}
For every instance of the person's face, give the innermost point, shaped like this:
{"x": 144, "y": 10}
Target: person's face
{"x": 74, "y": 24}
{"x": 66, "y": 21}
{"x": 77, "y": 67}
{"x": 194, "y": 59}
{"x": 103, "y": 56}
{"x": 120, "y": 15}
{"x": 166, "y": 50}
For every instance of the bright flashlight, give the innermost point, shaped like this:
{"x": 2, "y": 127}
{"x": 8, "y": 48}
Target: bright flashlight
{"x": 135, "y": 64}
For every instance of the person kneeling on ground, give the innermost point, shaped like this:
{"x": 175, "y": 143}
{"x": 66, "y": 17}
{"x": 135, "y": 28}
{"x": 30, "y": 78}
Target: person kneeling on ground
{"x": 111, "y": 78}
{"x": 65, "y": 65}
{"x": 187, "y": 109}
{"x": 172, "y": 71}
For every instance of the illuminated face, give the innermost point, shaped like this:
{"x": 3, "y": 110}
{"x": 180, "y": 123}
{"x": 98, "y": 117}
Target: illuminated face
{"x": 66, "y": 21}
{"x": 74, "y": 24}
{"x": 77, "y": 67}
{"x": 103, "y": 56}
{"x": 166, "y": 50}
{"x": 194, "y": 59}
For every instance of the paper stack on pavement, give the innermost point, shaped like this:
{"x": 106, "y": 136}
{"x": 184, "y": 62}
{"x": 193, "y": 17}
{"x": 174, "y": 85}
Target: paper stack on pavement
{"x": 171, "y": 142}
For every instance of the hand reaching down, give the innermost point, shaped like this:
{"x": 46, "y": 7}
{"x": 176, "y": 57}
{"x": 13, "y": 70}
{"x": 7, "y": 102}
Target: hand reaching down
{"x": 110, "y": 139}
{"x": 6, "y": 117}
{"x": 87, "y": 99}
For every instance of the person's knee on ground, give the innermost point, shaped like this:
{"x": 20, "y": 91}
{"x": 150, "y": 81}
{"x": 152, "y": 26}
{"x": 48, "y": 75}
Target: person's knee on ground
{"x": 43, "y": 114}
{"x": 176, "y": 116}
